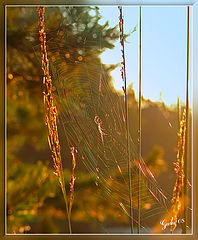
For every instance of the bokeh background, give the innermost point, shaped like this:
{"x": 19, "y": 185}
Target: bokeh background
{"x": 34, "y": 200}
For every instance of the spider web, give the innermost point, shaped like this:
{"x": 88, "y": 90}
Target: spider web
{"x": 97, "y": 130}
{"x": 92, "y": 115}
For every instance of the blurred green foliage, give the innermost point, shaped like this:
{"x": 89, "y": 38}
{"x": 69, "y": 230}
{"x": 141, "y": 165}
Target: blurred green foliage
{"x": 28, "y": 186}
{"x": 30, "y": 182}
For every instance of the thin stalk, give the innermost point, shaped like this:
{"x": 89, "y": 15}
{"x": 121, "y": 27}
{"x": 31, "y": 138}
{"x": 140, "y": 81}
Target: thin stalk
{"x": 123, "y": 71}
{"x": 185, "y": 196}
{"x": 73, "y": 179}
{"x": 178, "y": 113}
{"x": 65, "y": 199}
{"x": 177, "y": 199}
{"x": 140, "y": 120}
{"x": 51, "y": 113}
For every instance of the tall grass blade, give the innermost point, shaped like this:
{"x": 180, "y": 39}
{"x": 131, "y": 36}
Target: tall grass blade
{"x": 51, "y": 111}
{"x": 123, "y": 74}
{"x": 185, "y": 195}
{"x": 178, "y": 113}
{"x": 177, "y": 199}
{"x": 140, "y": 118}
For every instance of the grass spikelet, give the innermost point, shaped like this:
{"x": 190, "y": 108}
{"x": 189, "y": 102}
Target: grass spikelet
{"x": 73, "y": 178}
{"x": 51, "y": 111}
{"x": 123, "y": 75}
{"x": 177, "y": 200}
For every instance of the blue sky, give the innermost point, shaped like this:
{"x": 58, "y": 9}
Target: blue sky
{"x": 163, "y": 50}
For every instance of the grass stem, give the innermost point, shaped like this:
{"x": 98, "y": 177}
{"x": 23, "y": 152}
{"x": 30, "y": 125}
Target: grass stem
{"x": 140, "y": 119}
{"x": 51, "y": 111}
{"x": 123, "y": 73}
{"x": 185, "y": 191}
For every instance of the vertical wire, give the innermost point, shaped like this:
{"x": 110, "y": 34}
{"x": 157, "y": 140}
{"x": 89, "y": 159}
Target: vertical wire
{"x": 140, "y": 118}
{"x": 185, "y": 191}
